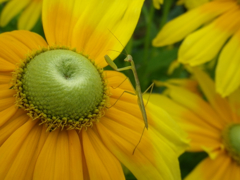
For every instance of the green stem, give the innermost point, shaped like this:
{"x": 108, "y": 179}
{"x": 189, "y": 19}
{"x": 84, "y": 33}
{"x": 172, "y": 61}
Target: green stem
{"x": 166, "y": 8}
{"x": 147, "y": 42}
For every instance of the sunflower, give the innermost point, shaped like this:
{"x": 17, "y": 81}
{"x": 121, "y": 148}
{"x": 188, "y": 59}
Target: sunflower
{"x": 211, "y": 29}
{"x": 70, "y": 121}
{"x": 212, "y": 124}
{"x": 30, "y": 11}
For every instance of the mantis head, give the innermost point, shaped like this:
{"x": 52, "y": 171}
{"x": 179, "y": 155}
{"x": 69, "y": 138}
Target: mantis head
{"x": 128, "y": 58}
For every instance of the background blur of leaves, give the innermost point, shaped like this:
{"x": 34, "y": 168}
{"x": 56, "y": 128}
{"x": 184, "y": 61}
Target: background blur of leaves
{"x": 152, "y": 63}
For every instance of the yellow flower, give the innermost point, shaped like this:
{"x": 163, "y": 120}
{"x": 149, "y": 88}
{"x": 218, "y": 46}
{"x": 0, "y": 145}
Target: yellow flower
{"x": 213, "y": 126}
{"x": 69, "y": 123}
{"x": 209, "y": 29}
{"x": 30, "y": 12}
{"x": 156, "y": 3}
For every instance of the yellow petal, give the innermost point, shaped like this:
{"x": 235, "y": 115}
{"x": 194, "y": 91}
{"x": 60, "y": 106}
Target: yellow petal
{"x": 16, "y": 45}
{"x": 44, "y": 168}
{"x": 7, "y": 114}
{"x": 200, "y": 131}
{"x": 183, "y": 25}
{"x": 101, "y": 163}
{"x": 214, "y": 152}
{"x": 75, "y": 156}
{"x": 53, "y": 160}
{"x": 168, "y": 129}
{"x": 122, "y": 133}
{"x": 220, "y": 168}
{"x": 128, "y": 103}
{"x": 227, "y": 72}
{"x": 173, "y": 66}
{"x": 157, "y": 3}
{"x": 23, "y": 156}
{"x": 125, "y": 102}
{"x": 189, "y": 84}
{"x": 117, "y": 80}
{"x": 6, "y": 103}
{"x": 6, "y": 65}
{"x": 11, "y": 126}
{"x": 30, "y": 15}
{"x": 62, "y": 154}
{"x": 6, "y": 93}
{"x": 197, "y": 105}
{"x": 5, "y": 78}
{"x": 220, "y": 104}
{"x": 234, "y": 101}
{"x": 11, "y": 10}
{"x": 93, "y": 30}
{"x": 204, "y": 44}
{"x": 5, "y": 86}
{"x": 10, "y": 148}
{"x": 64, "y": 150}
{"x": 40, "y": 142}
{"x": 190, "y": 4}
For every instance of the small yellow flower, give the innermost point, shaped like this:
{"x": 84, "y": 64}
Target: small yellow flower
{"x": 65, "y": 126}
{"x": 157, "y": 3}
{"x": 30, "y": 12}
{"x": 213, "y": 126}
{"x": 209, "y": 30}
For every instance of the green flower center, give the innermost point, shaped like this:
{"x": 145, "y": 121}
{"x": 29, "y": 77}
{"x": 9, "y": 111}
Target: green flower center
{"x": 231, "y": 137}
{"x": 62, "y": 88}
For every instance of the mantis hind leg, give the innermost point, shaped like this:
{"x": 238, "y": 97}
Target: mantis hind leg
{"x": 151, "y": 88}
{"x": 139, "y": 141}
{"x": 120, "y": 83}
{"x": 123, "y": 91}
{"x": 120, "y": 97}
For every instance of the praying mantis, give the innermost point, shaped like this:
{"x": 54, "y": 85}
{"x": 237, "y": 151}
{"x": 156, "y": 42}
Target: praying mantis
{"x": 138, "y": 88}
{"x": 138, "y": 91}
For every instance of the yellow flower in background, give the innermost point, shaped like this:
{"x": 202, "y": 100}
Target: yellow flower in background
{"x": 190, "y": 4}
{"x": 64, "y": 126}
{"x": 209, "y": 30}
{"x": 30, "y": 11}
{"x": 157, "y": 3}
{"x": 213, "y": 126}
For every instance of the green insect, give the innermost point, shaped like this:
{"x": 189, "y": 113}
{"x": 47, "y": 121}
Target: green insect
{"x": 138, "y": 88}
{"x": 138, "y": 91}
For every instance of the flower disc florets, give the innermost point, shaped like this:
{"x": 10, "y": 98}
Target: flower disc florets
{"x": 62, "y": 88}
{"x": 231, "y": 139}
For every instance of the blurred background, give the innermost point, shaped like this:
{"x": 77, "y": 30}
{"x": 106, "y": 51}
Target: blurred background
{"x": 153, "y": 64}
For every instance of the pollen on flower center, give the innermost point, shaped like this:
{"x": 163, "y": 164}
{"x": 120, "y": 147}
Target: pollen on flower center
{"x": 231, "y": 139}
{"x": 62, "y": 88}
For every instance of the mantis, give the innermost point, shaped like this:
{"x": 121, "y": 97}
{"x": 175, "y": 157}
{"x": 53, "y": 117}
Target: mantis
{"x": 138, "y": 88}
{"x": 138, "y": 91}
